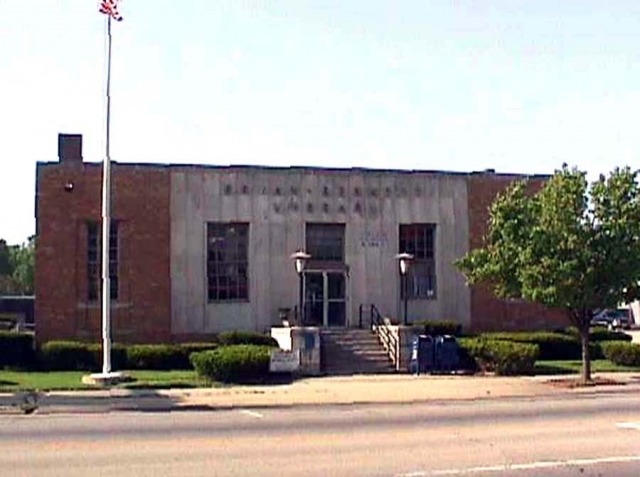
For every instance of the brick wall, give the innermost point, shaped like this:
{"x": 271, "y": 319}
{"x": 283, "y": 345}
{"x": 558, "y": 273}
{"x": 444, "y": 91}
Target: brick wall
{"x": 140, "y": 204}
{"x": 487, "y": 311}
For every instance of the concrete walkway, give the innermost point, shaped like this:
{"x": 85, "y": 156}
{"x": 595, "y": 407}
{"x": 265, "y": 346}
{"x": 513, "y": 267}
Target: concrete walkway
{"x": 381, "y": 389}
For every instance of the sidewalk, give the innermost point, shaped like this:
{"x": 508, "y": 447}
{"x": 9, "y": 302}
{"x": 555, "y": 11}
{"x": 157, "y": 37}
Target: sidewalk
{"x": 380, "y": 389}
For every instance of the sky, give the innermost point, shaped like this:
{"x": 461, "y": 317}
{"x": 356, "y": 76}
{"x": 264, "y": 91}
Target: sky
{"x": 462, "y": 85}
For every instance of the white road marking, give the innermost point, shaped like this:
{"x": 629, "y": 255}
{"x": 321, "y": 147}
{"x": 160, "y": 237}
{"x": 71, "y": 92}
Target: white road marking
{"x": 629, "y": 425}
{"x": 257, "y": 415}
{"x": 526, "y": 466}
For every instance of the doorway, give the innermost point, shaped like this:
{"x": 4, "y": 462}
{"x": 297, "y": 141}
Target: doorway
{"x": 325, "y": 301}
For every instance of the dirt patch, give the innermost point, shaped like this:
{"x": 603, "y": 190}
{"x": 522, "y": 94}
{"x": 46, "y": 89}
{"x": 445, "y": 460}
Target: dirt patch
{"x": 571, "y": 383}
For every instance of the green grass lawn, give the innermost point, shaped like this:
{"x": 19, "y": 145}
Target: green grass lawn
{"x": 573, "y": 367}
{"x": 11, "y": 381}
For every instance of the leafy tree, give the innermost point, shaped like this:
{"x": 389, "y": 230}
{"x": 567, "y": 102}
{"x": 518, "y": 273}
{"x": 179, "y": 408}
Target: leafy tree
{"x": 570, "y": 246}
{"x": 22, "y": 260}
{"x": 17, "y": 268}
{"x": 5, "y": 267}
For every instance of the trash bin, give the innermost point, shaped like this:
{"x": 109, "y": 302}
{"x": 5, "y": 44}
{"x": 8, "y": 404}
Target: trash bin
{"x": 422, "y": 354}
{"x": 446, "y": 353}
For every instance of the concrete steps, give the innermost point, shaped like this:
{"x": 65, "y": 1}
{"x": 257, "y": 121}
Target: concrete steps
{"x": 347, "y": 351}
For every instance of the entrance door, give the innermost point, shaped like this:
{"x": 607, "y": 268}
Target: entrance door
{"x": 325, "y": 298}
{"x": 314, "y": 298}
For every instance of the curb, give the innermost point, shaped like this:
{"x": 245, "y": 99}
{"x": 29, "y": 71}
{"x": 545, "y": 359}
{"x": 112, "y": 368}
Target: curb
{"x": 137, "y": 404}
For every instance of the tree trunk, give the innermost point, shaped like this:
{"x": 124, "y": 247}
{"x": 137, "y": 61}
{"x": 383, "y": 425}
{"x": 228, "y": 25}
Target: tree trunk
{"x": 586, "y": 358}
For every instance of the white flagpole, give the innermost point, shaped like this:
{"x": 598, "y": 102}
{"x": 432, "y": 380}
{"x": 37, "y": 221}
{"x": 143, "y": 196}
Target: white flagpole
{"x": 106, "y": 224}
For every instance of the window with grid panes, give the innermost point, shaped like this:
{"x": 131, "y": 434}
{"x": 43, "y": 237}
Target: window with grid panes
{"x": 227, "y": 261}
{"x": 419, "y": 241}
{"x": 94, "y": 260}
{"x": 325, "y": 242}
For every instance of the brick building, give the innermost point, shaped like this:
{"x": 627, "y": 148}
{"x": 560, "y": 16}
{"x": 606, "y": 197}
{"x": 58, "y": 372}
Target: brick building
{"x": 196, "y": 250}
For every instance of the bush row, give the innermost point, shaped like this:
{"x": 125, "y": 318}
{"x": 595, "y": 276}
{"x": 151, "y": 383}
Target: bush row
{"x": 505, "y": 358}
{"x": 599, "y": 333}
{"x": 72, "y": 355}
{"x": 439, "y": 328}
{"x": 233, "y": 364}
{"x": 245, "y": 337}
{"x": 623, "y": 354}
{"x": 553, "y": 346}
{"x": 16, "y": 350}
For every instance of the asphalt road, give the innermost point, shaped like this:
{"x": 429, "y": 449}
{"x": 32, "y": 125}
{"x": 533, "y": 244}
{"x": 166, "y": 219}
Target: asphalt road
{"x": 551, "y": 437}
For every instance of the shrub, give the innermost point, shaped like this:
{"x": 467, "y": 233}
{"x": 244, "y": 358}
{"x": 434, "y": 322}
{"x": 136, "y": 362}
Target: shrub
{"x": 622, "y": 353}
{"x": 118, "y": 355}
{"x": 190, "y": 348}
{"x": 233, "y": 364}
{"x": 163, "y": 356}
{"x": 156, "y": 356}
{"x": 552, "y": 346}
{"x": 599, "y": 333}
{"x": 246, "y": 337}
{"x": 16, "y": 350}
{"x": 439, "y": 328}
{"x": 69, "y": 355}
{"x": 506, "y": 358}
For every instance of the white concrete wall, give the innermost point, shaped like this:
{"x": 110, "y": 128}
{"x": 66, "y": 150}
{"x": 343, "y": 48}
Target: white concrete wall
{"x": 372, "y": 206}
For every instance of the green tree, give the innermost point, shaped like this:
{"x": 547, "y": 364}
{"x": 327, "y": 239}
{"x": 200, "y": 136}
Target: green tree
{"x": 17, "y": 268}
{"x": 570, "y": 246}
{"x": 22, "y": 259}
{"x": 5, "y": 266}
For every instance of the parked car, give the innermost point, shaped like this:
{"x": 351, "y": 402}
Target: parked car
{"x": 612, "y": 319}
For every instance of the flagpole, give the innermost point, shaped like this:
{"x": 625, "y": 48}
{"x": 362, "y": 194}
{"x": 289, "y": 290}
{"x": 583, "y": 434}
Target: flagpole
{"x": 106, "y": 222}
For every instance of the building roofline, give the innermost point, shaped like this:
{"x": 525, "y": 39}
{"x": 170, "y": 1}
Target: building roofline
{"x": 296, "y": 168}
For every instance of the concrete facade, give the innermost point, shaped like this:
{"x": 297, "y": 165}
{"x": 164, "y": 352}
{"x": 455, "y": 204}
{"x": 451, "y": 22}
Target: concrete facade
{"x": 278, "y": 203}
{"x": 163, "y": 212}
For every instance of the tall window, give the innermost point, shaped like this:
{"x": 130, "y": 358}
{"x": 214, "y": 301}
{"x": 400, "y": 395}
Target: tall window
{"x": 419, "y": 241}
{"x": 227, "y": 261}
{"x": 325, "y": 242}
{"x": 94, "y": 260}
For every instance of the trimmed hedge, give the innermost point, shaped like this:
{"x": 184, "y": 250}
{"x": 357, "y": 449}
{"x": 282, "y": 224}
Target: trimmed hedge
{"x": 163, "y": 356}
{"x": 73, "y": 355}
{"x": 156, "y": 356}
{"x": 621, "y": 353}
{"x": 69, "y": 355}
{"x": 599, "y": 333}
{"x": 553, "y": 346}
{"x": 233, "y": 364}
{"x": 505, "y": 358}
{"x": 246, "y": 337}
{"x": 16, "y": 350}
{"x": 439, "y": 328}
{"x": 118, "y": 355}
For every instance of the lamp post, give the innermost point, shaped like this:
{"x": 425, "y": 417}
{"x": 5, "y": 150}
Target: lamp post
{"x": 404, "y": 259}
{"x": 300, "y": 261}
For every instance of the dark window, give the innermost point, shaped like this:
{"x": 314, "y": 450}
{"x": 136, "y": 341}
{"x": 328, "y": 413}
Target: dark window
{"x": 94, "y": 260}
{"x": 419, "y": 241}
{"x": 227, "y": 261}
{"x": 325, "y": 242}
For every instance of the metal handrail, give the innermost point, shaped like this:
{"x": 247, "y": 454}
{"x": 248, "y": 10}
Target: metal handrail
{"x": 380, "y": 328}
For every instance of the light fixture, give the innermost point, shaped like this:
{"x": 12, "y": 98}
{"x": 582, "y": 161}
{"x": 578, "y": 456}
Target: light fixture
{"x": 300, "y": 260}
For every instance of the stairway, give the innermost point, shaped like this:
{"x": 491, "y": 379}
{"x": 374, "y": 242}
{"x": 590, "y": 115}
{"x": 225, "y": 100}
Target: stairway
{"x": 352, "y": 351}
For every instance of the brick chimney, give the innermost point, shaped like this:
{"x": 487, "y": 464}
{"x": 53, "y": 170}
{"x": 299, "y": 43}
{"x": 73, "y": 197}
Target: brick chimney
{"x": 70, "y": 148}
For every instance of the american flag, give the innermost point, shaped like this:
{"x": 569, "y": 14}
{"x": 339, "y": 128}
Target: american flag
{"x": 110, "y": 7}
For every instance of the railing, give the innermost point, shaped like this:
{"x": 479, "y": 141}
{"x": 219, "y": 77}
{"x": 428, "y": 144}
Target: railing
{"x": 387, "y": 338}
